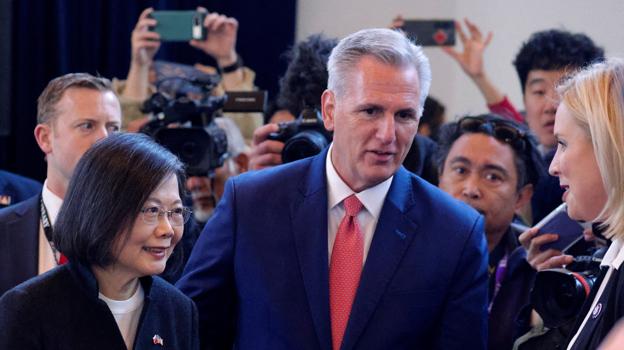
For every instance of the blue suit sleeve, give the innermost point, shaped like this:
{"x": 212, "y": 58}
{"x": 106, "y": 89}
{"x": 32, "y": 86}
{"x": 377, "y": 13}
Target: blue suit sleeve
{"x": 208, "y": 277}
{"x": 464, "y": 322}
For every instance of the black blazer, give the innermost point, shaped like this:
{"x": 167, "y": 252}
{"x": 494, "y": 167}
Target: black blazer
{"x": 19, "y": 243}
{"x": 61, "y": 310}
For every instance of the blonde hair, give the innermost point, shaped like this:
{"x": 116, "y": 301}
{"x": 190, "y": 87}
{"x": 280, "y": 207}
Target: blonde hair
{"x": 595, "y": 99}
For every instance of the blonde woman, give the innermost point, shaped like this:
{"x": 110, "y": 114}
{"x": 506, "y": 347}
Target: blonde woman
{"x": 589, "y": 162}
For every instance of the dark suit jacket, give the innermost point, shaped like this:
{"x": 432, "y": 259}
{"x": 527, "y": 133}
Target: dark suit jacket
{"x": 19, "y": 243}
{"x": 504, "y": 322}
{"x": 61, "y": 310}
{"x": 259, "y": 271}
{"x": 421, "y": 159}
{"x": 17, "y": 188}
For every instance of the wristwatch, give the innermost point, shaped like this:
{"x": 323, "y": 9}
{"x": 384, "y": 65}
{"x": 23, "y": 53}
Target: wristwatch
{"x": 232, "y": 67}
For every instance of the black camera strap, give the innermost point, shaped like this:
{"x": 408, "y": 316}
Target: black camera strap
{"x": 59, "y": 258}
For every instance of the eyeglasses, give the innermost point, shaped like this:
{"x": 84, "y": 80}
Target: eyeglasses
{"x": 500, "y": 129}
{"x": 176, "y": 216}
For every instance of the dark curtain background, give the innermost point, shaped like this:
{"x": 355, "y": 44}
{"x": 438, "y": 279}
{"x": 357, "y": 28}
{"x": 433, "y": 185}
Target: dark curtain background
{"x": 49, "y": 38}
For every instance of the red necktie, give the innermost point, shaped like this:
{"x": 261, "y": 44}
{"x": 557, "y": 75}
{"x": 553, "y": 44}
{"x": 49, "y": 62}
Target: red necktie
{"x": 62, "y": 259}
{"x": 345, "y": 269}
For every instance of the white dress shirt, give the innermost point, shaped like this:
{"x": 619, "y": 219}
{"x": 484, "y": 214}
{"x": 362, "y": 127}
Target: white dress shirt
{"x": 371, "y": 198}
{"x": 52, "y": 202}
{"x": 613, "y": 259}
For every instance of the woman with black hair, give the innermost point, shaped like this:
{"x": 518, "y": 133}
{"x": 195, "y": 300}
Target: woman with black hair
{"x": 119, "y": 223}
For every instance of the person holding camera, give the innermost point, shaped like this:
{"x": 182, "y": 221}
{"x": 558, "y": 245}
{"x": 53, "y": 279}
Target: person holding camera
{"x": 493, "y": 165}
{"x": 121, "y": 219}
{"x": 220, "y": 44}
{"x": 301, "y": 88}
{"x": 206, "y": 191}
{"x": 589, "y": 162}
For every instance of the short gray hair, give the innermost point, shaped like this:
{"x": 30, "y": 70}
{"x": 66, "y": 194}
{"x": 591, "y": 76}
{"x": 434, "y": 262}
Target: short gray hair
{"x": 386, "y": 45}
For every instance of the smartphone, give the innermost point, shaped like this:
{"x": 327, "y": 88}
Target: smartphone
{"x": 560, "y": 223}
{"x": 179, "y": 25}
{"x": 431, "y": 32}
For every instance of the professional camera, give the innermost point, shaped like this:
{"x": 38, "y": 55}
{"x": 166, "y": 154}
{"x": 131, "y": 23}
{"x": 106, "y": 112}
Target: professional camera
{"x": 199, "y": 143}
{"x": 559, "y": 294}
{"x": 183, "y": 99}
{"x": 303, "y": 137}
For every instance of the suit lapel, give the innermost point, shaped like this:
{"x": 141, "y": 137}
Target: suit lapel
{"x": 22, "y": 246}
{"x": 309, "y": 223}
{"x": 394, "y": 233}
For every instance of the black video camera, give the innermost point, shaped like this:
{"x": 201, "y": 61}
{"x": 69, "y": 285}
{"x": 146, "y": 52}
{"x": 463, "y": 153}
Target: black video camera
{"x": 303, "y": 137}
{"x": 202, "y": 146}
{"x": 199, "y": 143}
{"x": 559, "y": 294}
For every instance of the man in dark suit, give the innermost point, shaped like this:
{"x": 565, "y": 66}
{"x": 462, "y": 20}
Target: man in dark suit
{"x": 15, "y": 188}
{"x": 280, "y": 265}
{"x": 73, "y": 112}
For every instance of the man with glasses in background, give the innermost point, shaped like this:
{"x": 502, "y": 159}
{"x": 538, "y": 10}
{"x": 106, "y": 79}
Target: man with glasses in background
{"x": 493, "y": 165}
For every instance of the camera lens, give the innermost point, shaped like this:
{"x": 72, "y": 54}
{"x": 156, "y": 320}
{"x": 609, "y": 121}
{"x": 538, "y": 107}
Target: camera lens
{"x": 304, "y": 144}
{"x": 559, "y": 294}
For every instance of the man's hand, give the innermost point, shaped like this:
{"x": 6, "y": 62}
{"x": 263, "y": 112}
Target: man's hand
{"x": 471, "y": 59}
{"x": 265, "y": 153}
{"x": 220, "y": 42}
{"x": 397, "y": 22}
{"x": 145, "y": 43}
{"x": 538, "y": 259}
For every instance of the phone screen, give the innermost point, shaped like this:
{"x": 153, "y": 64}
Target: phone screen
{"x": 179, "y": 25}
{"x": 431, "y": 32}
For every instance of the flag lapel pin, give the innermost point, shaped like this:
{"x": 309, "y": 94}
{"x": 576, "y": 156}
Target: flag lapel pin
{"x": 158, "y": 340}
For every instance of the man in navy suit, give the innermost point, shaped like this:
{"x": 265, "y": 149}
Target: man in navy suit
{"x": 410, "y": 260}
{"x": 73, "y": 112}
{"x": 15, "y": 188}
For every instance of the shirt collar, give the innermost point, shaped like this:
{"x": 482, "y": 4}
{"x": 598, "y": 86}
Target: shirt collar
{"x": 52, "y": 202}
{"x": 338, "y": 190}
{"x": 614, "y": 255}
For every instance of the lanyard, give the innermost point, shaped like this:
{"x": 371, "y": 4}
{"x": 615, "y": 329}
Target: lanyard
{"x": 501, "y": 270}
{"x": 47, "y": 230}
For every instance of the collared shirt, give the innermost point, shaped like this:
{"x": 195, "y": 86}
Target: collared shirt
{"x": 612, "y": 259}
{"x": 372, "y": 200}
{"x": 52, "y": 202}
